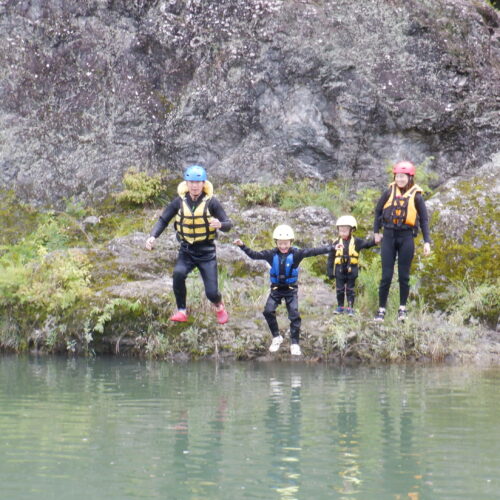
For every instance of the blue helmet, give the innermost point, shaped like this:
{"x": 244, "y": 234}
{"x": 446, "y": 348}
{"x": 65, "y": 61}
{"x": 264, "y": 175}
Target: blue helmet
{"x": 195, "y": 173}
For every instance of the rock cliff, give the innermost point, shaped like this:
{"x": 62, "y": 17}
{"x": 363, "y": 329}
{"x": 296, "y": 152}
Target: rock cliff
{"x": 253, "y": 89}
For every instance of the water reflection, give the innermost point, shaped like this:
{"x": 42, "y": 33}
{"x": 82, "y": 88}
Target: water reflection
{"x": 404, "y": 472}
{"x": 283, "y": 422}
{"x": 224, "y": 431}
{"x": 348, "y": 444}
{"x": 197, "y": 467}
{"x": 180, "y": 452}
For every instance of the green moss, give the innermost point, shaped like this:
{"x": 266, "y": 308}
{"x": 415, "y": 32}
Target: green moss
{"x": 16, "y": 219}
{"x": 166, "y": 105}
{"x": 237, "y": 269}
{"x": 117, "y": 224}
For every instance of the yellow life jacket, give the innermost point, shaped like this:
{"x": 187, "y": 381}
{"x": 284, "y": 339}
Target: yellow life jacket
{"x": 399, "y": 209}
{"x": 194, "y": 227}
{"x": 353, "y": 256}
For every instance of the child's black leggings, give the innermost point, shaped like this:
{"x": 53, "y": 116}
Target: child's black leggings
{"x": 344, "y": 284}
{"x": 401, "y": 244}
{"x": 292, "y": 305}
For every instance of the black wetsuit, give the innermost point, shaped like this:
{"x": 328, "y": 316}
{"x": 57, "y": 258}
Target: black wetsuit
{"x": 201, "y": 255}
{"x": 285, "y": 292}
{"x": 345, "y": 274}
{"x": 398, "y": 242}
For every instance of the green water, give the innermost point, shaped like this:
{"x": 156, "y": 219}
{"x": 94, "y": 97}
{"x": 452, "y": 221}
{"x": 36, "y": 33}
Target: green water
{"x": 119, "y": 429}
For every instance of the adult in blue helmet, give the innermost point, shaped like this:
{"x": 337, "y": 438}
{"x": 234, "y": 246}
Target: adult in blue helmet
{"x": 197, "y": 215}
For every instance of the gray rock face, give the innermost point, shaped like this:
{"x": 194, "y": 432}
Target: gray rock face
{"x": 469, "y": 202}
{"x": 253, "y": 89}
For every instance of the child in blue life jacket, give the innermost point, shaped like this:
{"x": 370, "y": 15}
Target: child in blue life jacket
{"x": 343, "y": 260}
{"x": 284, "y": 261}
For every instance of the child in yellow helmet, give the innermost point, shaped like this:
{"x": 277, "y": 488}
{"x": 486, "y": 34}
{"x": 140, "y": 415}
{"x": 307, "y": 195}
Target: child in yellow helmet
{"x": 284, "y": 260}
{"x": 343, "y": 260}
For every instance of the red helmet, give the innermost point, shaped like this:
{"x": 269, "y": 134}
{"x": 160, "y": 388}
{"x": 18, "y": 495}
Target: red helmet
{"x": 404, "y": 167}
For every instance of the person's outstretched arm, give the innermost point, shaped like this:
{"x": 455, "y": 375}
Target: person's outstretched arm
{"x": 266, "y": 255}
{"x": 168, "y": 213}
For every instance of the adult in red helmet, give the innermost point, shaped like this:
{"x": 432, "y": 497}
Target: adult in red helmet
{"x": 399, "y": 211}
{"x": 198, "y": 216}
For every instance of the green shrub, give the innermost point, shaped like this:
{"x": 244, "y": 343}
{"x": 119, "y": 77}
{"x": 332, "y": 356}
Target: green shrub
{"x": 462, "y": 273}
{"x": 293, "y": 194}
{"x": 102, "y": 315}
{"x": 75, "y": 208}
{"x": 50, "y": 285}
{"x": 363, "y": 209}
{"x": 454, "y": 261}
{"x": 307, "y": 192}
{"x": 140, "y": 188}
{"x": 476, "y": 302}
{"x": 254, "y": 193}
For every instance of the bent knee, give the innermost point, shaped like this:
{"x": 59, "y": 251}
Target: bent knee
{"x": 179, "y": 275}
{"x": 213, "y": 296}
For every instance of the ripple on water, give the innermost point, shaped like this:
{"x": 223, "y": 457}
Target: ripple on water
{"x": 262, "y": 431}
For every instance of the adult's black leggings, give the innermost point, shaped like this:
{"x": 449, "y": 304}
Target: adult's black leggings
{"x": 207, "y": 264}
{"x": 400, "y": 244}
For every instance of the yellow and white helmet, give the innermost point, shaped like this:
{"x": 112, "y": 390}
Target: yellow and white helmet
{"x": 283, "y": 232}
{"x": 347, "y": 220}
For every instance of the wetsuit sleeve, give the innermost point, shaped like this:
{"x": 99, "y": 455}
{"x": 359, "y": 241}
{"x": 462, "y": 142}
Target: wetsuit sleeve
{"x": 266, "y": 255}
{"x": 219, "y": 213}
{"x": 379, "y": 208}
{"x": 303, "y": 253}
{"x": 423, "y": 216}
{"x": 329, "y": 264}
{"x": 359, "y": 243}
{"x": 168, "y": 213}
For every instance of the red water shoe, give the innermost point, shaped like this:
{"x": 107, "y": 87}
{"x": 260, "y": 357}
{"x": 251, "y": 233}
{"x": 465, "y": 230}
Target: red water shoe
{"x": 179, "y": 316}
{"x": 222, "y": 316}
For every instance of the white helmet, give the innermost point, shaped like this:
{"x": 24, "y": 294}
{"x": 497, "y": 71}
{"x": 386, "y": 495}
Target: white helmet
{"x": 347, "y": 220}
{"x": 283, "y": 232}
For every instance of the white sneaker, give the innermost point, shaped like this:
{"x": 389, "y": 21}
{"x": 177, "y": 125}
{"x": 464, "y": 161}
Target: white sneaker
{"x": 295, "y": 350}
{"x": 379, "y": 318}
{"x": 402, "y": 314}
{"x": 275, "y": 344}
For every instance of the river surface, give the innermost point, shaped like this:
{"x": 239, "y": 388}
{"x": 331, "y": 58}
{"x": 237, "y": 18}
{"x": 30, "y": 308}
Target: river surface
{"x": 120, "y": 429}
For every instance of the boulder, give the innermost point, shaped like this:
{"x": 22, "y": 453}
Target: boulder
{"x": 465, "y": 202}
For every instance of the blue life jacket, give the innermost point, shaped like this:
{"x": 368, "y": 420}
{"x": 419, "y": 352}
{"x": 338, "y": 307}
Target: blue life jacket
{"x": 291, "y": 273}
